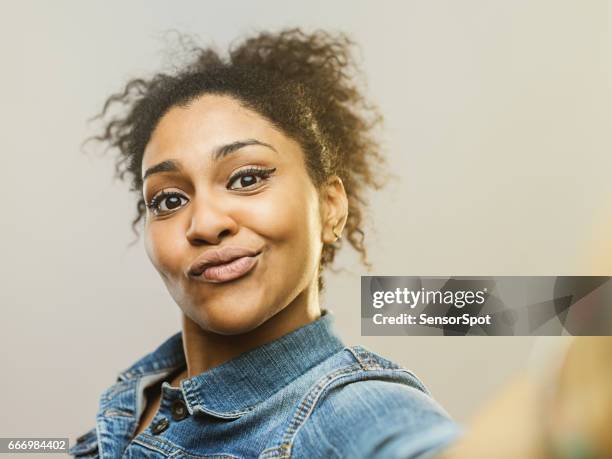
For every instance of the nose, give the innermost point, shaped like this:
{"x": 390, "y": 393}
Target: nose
{"x": 209, "y": 222}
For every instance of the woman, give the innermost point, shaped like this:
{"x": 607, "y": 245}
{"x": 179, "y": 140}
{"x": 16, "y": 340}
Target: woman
{"x": 249, "y": 169}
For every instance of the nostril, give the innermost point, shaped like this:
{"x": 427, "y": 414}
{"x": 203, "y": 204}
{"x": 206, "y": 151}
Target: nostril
{"x": 223, "y": 233}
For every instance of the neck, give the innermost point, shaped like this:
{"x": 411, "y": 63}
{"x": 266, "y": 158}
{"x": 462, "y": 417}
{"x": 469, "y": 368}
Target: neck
{"x": 205, "y": 350}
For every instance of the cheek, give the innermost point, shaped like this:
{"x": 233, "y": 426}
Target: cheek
{"x": 288, "y": 218}
{"x": 163, "y": 246}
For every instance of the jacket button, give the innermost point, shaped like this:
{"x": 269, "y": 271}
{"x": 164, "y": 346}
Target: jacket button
{"x": 179, "y": 410}
{"x": 160, "y": 426}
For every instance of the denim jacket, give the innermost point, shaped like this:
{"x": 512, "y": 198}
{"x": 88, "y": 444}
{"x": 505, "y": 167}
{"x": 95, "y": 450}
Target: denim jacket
{"x": 304, "y": 395}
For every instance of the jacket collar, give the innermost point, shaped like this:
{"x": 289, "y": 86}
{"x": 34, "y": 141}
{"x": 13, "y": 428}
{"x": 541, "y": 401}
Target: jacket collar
{"x": 237, "y": 386}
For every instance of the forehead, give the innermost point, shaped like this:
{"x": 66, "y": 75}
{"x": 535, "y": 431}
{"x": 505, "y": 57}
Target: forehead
{"x": 193, "y": 131}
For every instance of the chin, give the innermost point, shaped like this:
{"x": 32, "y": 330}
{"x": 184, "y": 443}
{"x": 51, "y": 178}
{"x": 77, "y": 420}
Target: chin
{"x": 231, "y": 320}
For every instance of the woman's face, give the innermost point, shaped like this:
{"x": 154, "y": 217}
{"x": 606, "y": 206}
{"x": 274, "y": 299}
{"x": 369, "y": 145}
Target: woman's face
{"x": 220, "y": 176}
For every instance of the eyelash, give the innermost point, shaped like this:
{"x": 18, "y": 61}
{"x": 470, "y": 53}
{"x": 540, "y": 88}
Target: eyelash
{"x": 263, "y": 173}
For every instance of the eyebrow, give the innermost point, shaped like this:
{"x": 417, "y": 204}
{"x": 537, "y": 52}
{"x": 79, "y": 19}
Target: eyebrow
{"x": 219, "y": 153}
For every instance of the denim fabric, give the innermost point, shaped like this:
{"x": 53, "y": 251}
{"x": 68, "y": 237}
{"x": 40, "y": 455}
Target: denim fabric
{"x": 304, "y": 395}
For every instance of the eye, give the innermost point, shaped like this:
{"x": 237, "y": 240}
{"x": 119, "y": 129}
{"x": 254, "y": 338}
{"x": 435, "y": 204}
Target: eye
{"x": 247, "y": 178}
{"x": 166, "y": 201}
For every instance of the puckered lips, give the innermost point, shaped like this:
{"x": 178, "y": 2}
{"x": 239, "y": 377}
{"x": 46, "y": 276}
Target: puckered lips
{"x": 223, "y": 264}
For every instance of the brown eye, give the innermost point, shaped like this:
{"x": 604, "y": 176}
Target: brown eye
{"x": 172, "y": 202}
{"x": 249, "y": 177}
{"x": 246, "y": 181}
{"x": 166, "y": 202}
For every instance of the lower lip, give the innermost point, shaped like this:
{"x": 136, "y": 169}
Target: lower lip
{"x": 229, "y": 271}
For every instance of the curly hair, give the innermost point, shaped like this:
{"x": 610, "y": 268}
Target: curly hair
{"x": 303, "y": 83}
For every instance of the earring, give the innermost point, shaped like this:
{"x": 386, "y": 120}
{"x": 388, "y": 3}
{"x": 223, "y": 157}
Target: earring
{"x": 338, "y": 236}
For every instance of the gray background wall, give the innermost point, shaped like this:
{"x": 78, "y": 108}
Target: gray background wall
{"x": 497, "y": 122}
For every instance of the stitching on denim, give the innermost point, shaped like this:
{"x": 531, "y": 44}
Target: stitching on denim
{"x": 226, "y": 414}
{"x": 163, "y": 365}
{"x": 289, "y": 438}
{"x": 369, "y": 361}
{"x": 307, "y": 405}
{"x": 213, "y": 456}
{"x": 269, "y": 453}
{"x": 358, "y": 356}
{"x": 366, "y": 361}
{"x": 150, "y": 446}
{"x": 117, "y": 412}
{"x": 115, "y": 390}
{"x": 177, "y": 449}
{"x": 192, "y": 397}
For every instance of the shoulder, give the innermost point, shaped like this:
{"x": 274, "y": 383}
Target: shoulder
{"x": 370, "y": 408}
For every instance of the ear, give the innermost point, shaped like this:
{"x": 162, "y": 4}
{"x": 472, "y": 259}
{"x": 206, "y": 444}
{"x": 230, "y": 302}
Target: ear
{"x": 334, "y": 209}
